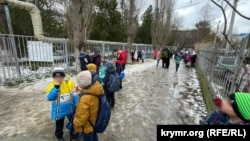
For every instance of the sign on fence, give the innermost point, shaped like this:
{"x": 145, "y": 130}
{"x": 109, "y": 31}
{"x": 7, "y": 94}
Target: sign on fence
{"x": 39, "y": 51}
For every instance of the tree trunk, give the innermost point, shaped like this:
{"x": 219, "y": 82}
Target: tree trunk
{"x": 129, "y": 47}
{"x": 131, "y": 30}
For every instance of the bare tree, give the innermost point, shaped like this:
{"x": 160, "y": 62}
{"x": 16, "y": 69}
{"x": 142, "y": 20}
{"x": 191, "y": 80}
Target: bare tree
{"x": 177, "y": 22}
{"x": 131, "y": 28}
{"x": 79, "y": 18}
{"x": 162, "y": 22}
{"x": 155, "y": 24}
{"x": 223, "y": 6}
{"x": 234, "y": 8}
{"x": 206, "y": 13}
{"x": 176, "y": 25}
{"x": 169, "y": 14}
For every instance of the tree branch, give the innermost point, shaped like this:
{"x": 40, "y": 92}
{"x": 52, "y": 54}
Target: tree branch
{"x": 234, "y": 8}
{"x": 225, "y": 21}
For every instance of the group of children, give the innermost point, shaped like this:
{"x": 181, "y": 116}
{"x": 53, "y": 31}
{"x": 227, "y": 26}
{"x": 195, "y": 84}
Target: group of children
{"x": 83, "y": 102}
{"x": 65, "y": 102}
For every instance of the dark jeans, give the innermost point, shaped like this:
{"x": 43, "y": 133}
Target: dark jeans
{"x": 59, "y": 128}
{"x": 111, "y": 98}
{"x": 177, "y": 67}
{"x": 90, "y": 137}
{"x": 168, "y": 62}
{"x": 164, "y": 63}
{"x": 124, "y": 66}
{"x": 142, "y": 60}
{"x": 119, "y": 69}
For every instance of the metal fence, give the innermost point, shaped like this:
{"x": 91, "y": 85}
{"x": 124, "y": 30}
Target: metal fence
{"x": 26, "y": 58}
{"x": 221, "y": 70}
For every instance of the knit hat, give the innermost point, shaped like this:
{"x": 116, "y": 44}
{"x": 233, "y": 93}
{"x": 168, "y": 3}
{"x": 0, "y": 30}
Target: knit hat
{"x": 109, "y": 65}
{"x": 91, "y": 67}
{"x": 241, "y": 105}
{"x": 58, "y": 72}
{"x": 84, "y": 79}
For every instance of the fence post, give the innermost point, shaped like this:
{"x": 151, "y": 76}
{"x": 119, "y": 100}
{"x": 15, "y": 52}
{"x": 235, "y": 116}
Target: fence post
{"x": 67, "y": 55}
{"x": 241, "y": 57}
{"x": 123, "y": 46}
{"x": 103, "y": 50}
{"x": 13, "y": 44}
{"x": 108, "y": 57}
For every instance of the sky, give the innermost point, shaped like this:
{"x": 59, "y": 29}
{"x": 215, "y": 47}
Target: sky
{"x": 190, "y": 11}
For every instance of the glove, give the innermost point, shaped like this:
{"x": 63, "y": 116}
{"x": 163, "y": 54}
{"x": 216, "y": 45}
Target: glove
{"x": 217, "y": 101}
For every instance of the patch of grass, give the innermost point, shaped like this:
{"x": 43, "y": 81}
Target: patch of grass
{"x": 206, "y": 91}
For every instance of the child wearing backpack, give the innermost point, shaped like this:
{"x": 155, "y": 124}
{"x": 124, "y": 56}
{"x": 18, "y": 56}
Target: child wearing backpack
{"x": 87, "y": 109}
{"x": 234, "y": 110}
{"x": 59, "y": 92}
{"x": 111, "y": 83}
{"x": 93, "y": 69}
{"x": 177, "y": 58}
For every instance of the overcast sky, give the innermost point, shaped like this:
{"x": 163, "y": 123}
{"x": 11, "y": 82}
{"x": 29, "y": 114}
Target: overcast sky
{"x": 190, "y": 13}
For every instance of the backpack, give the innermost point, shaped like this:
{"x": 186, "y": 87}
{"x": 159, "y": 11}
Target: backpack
{"x": 178, "y": 57}
{"x": 103, "y": 115}
{"x": 114, "y": 82}
{"x": 165, "y": 53}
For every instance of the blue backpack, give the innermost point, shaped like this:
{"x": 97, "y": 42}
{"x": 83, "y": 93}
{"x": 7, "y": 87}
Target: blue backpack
{"x": 103, "y": 116}
{"x": 114, "y": 82}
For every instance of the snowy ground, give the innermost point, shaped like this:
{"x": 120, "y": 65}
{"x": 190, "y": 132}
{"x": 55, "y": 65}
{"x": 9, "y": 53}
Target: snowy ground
{"x": 150, "y": 96}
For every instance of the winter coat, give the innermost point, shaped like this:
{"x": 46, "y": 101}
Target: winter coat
{"x": 136, "y": 56}
{"x": 84, "y": 60}
{"x": 97, "y": 59}
{"x": 159, "y": 55}
{"x": 177, "y": 58}
{"x": 122, "y": 58}
{"x": 143, "y": 55}
{"x": 102, "y": 73}
{"x": 67, "y": 101}
{"x": 87, "y": 109}
{"x": 188, "y": 58}
{"x": 218, "y": 118}
{"x": 110, "y": 69}
{"x": 155, "y": 54}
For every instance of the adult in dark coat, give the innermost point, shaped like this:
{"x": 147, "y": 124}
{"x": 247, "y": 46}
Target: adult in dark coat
{"x": 84, "y": 60}
{"x": 96, "y": 58}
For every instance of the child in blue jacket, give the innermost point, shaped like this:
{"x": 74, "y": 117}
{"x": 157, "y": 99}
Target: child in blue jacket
{"x": 59, "y": 92}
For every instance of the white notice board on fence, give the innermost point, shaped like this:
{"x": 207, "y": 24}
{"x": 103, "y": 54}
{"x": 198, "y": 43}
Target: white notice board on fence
{"x": 39, "y": 51}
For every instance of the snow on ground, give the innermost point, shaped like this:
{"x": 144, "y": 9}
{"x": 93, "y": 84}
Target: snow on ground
{"x": 10, "y": 73}
{"x": 150, "y": 96}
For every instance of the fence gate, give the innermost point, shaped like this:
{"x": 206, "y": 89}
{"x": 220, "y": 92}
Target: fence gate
{"x": 221, "y": 71}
